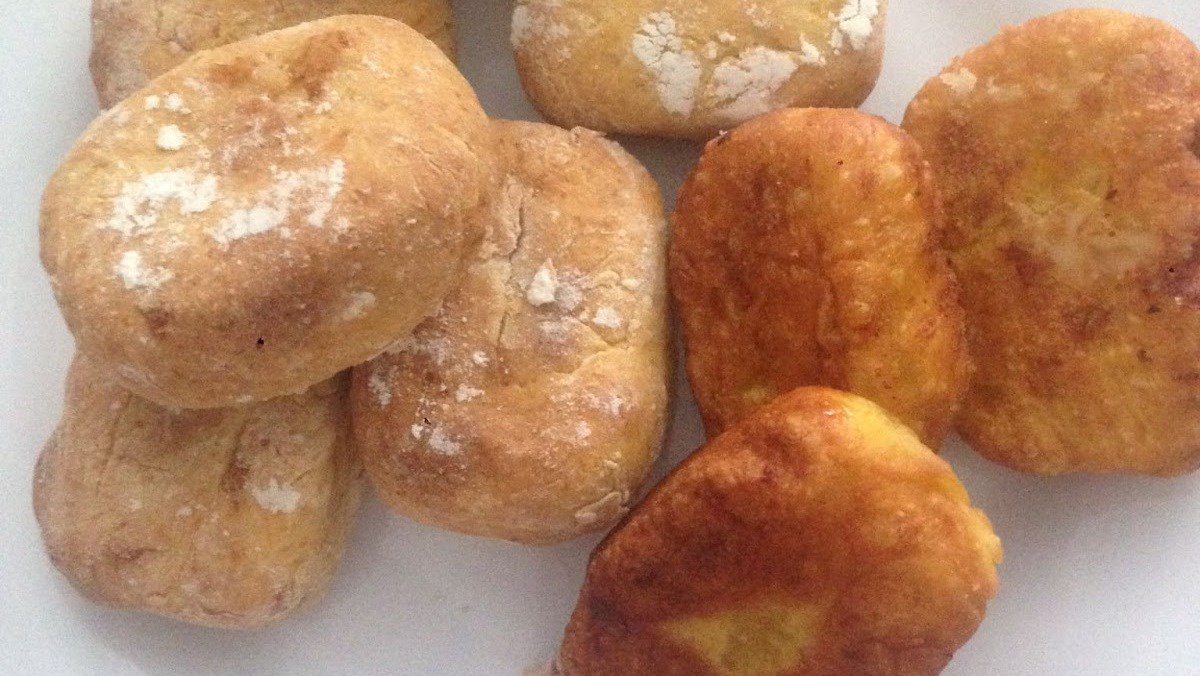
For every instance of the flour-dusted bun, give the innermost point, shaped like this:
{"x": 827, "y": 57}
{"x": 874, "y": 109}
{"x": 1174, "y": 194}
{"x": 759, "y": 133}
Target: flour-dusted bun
{"x": 134, "y": 41}
{"x": 223, "y": 517}
{"x": 531, "y": 407}
{"x": 269, "y": 213}
{"x": 683, "y": 68}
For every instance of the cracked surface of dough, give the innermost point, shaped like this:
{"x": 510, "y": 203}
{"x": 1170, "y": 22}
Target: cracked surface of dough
{"x": 532, "y": 406}
{"x": 269, "y": 213}
{"x": 1067, "y": 149}
{"x": 816, "y": 537}
{"x": 134, "y": 41}
{"x": 681, "y": 68}
{"x": 230, "y": 518}
{"x": 806, "y": 251}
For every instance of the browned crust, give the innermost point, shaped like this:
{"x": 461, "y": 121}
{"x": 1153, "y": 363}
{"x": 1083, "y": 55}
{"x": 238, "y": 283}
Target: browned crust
{"x": 1066, "y": 148}
{"x": 806, "y": 251}
{"x": 818, "y": 502}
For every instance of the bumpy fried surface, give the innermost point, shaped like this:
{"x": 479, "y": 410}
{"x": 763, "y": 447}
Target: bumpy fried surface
{"x": 269, "y": 213}
{"x": 805, "y": 252}
{"x": 817, "y": 536}
{"x": 228, "y": 518}
{"x": 134, "y": 41}
{"x": 1067, "y": 149}
{"x": 687, "y": 69}
{"x": 532, "y": 406}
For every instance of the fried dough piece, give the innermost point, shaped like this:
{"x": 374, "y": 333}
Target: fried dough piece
{"x": 1067, "y": 151}
{"x": 231, "y": 518}
{"x": 135, "y": 41}
{"x": 805, "y": 252}
{"x": 532, "y": 406}
{"x": 817, "y": 536}
{"x": 688, "y": 69}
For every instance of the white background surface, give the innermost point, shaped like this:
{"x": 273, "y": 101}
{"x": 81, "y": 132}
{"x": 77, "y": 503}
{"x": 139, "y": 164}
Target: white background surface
{"x": 1102, "y": 574}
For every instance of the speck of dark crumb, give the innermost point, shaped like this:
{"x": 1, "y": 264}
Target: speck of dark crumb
{"x": 1171, "y": 269}
{"x": 260, "y": 342}
{"x": 1154, "y": 309}
{"x": 1144, "y": 356}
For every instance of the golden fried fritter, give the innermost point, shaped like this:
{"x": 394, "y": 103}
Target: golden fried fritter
{"x": 805, "y": 252}
{"x": 817, "y": 536}
{"x": 1067, "y": 151}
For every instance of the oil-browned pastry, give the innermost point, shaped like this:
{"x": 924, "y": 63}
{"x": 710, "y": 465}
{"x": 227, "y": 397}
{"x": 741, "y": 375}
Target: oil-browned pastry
{"x": 134, "y": 41}
{"x": 1068, "y": 149}
{"x": 229, "y": 518}
{"x": 532, "y": 406}
{"x": 817, "y": 536}
{"x": 269, "y": 213}
{"x": 687, "y": 69}
{"x": 806, "y": 252}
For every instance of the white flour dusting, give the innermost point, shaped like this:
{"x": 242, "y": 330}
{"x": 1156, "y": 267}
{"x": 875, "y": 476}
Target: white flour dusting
{"x": 276, "y": 498}
{"x": 675, "y": 69}
{"x": 291, "y": 191}
{"x": 170, "y": 138}
{"x": 140, "y": 203}
{"x": 747, "y": 83}
{"x": 543, "y": 287}
{"x": 855, "y": 24}
{"x": 130, "y": 270}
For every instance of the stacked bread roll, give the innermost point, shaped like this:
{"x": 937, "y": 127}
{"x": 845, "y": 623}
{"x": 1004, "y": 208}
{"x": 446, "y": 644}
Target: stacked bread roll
{"x": 232, "y": 238}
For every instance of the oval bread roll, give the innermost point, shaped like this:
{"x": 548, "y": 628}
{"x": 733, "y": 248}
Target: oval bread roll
{"x": 134, "y": 41}
{"x": 806, "y": 252}
{"x": 1069, "y": 152}
{"x": 227, "y": 518}
{"x": 532, "y": 406}
{"x": 269, "y": 213}
{"x": 817, "y": 536}
{"x": 688, "y": 69}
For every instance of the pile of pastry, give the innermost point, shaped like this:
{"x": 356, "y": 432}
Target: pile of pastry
{"x": 309, "y": 251}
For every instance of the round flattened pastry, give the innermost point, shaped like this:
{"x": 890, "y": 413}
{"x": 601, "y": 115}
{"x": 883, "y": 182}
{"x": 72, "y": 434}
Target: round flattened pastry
{"x": 134, "y": 41}
{"x": 230, "y": 518}
{"x": 269, "y": 213}
{"x": 532, "y": 406}
{"x": 817, "y": 536}
{"x": 1068, "y": 149}
{"x": 683, "y": 68}
{"x": 806, "y": 252}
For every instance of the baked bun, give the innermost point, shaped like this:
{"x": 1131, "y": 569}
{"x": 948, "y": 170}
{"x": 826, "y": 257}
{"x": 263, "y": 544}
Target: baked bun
{"x": 806, "y": 252}
{"x": 1068, "y": 149}
{"x": 228, "y": 518}
{"x": 134, "y": 41}
{"x": 817, "y": 536}
{"x": 532, "y": 406}
{"x": 683, "y": 68}
{"x": 269, "y": 213}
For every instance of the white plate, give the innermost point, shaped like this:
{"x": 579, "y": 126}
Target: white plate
{"x": 1102, "y": 575}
